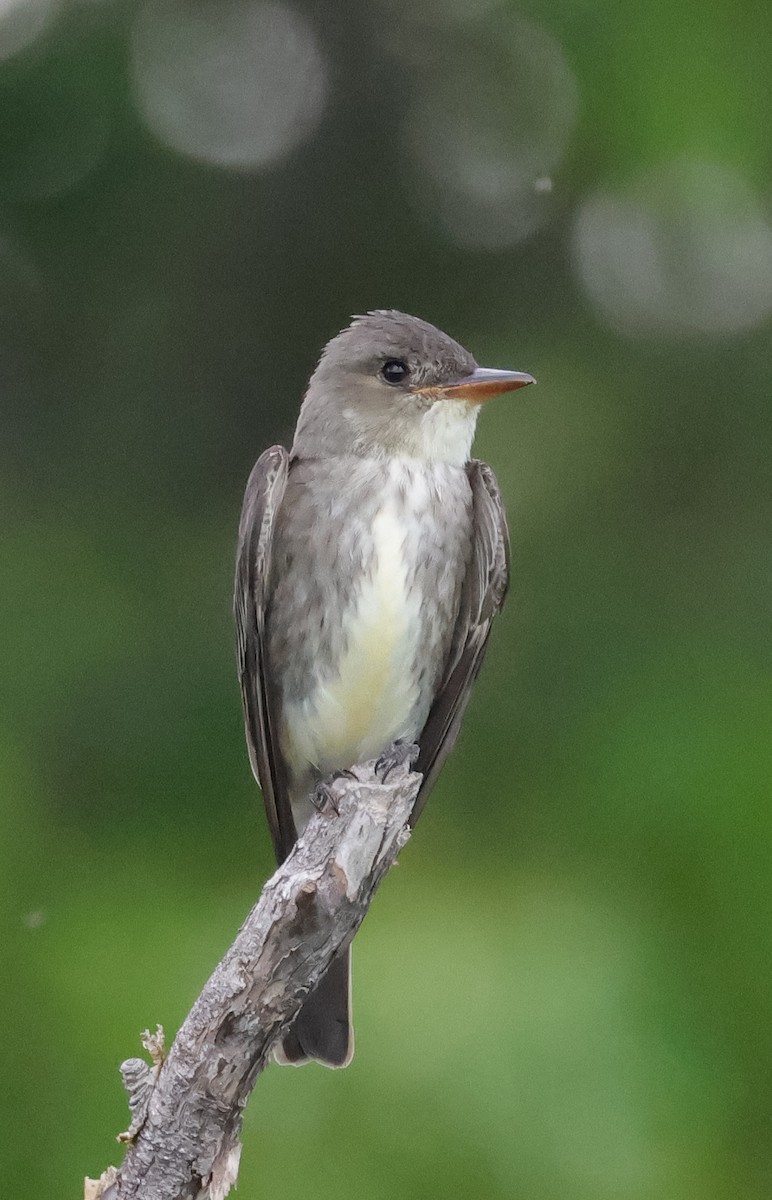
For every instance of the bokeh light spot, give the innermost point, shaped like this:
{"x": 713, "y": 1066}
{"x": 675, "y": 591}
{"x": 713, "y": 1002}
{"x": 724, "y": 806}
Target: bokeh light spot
{"x": 685, "y": 250}
{"x": 237, "y": 84}
{"x": 21, "y": 22}
{"x": 489, "y": 124}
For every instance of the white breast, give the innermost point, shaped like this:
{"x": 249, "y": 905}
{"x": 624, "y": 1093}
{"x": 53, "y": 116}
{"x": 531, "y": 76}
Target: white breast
{"x": 368, "y": 701}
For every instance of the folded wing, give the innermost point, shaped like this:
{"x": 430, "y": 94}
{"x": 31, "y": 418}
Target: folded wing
{"x": 263, "y": 496}
{"x": 483, "y": 593}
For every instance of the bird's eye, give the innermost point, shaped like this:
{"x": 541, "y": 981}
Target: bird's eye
{"x": 395, "y": 370}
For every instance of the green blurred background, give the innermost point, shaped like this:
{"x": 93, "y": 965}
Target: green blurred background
{"x": 563, "y": 992}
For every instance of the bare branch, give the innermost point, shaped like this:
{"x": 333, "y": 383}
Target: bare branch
{"x": 187, "y": 1109}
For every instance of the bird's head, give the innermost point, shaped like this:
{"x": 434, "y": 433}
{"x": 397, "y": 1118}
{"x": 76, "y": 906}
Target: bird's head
{"x": 391, "y": 384}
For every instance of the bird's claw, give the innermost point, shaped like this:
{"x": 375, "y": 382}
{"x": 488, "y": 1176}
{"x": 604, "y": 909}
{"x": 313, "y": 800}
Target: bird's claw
{"x": 323, "y": 796}
{"x": 401, "y": 753}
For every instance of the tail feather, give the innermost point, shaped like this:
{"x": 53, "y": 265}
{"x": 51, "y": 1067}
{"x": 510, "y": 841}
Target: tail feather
{"x": 323, "y": 1031}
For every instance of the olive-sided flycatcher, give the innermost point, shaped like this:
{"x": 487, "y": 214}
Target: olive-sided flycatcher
{"x": 372, "y": 560}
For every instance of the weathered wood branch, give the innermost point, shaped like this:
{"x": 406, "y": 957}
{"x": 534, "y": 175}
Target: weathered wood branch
{"x": 187, "y": 1109}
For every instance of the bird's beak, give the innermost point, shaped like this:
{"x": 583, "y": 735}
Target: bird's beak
{"x": 480, "y": 385}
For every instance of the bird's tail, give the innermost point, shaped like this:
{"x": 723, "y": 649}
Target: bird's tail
{"x": 323, "y": 1031}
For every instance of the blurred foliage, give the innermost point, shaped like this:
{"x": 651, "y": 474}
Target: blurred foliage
{"x": 563, "y": 992}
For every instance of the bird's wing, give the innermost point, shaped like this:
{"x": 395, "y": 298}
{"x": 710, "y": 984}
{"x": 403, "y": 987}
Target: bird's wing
{"x": 484, "y": 589}
{"x": 264, "y": 492}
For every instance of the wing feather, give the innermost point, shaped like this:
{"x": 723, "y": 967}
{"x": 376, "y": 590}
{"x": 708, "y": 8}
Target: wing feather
{"x": 262, "y": 498}
{"x": 484, "y": 590}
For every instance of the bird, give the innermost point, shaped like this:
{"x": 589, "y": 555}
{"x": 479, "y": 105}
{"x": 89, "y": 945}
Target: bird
{"x": 372, "y": 559}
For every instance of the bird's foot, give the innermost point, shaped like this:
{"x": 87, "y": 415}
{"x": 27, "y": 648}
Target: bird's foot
{"x": 401, "y": 753}
{"x": 323, "y": 796}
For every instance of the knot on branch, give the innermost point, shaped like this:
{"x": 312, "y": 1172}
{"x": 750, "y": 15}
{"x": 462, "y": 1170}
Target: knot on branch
{"x": 139, "y": 1079}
